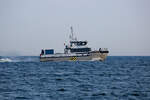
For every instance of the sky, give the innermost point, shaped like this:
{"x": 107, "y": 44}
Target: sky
{"x": 122, "y": 26}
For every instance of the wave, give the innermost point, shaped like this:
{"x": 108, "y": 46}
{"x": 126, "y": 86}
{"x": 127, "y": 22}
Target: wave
{"x": 5, "y": 60}
{"x": 19, "y": 59}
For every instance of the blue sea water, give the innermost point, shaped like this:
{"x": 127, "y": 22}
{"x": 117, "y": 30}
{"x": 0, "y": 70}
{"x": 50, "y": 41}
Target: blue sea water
{"x": 116, "y": 78}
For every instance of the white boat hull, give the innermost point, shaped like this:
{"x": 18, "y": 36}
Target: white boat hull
{"x": 75, "y": 57}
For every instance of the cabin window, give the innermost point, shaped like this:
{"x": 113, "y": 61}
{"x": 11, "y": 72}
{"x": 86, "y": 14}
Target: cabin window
{"x": 49, "y": 51}
{"x": 81, "y": 50}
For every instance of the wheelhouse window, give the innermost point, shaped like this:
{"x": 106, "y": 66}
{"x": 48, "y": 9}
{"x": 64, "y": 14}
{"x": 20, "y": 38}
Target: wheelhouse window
{"x": 80, "y": 49}
{"x": 79, "y": 43}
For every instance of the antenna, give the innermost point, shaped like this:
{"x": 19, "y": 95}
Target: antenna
{"x": 71, "y": 32}
{"x": 72, "y": 35}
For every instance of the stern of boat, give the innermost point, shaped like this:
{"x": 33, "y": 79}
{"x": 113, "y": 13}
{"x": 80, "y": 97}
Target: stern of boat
{"x": 100, "y": 55}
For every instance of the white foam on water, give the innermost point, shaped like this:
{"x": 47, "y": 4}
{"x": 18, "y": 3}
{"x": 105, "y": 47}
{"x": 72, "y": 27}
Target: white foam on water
{"x": 95, "y": 59}
{"x": 5, "y": 60}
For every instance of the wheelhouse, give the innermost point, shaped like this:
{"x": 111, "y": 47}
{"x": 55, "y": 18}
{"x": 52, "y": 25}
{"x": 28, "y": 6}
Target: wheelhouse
{"x": 78, "y": 43}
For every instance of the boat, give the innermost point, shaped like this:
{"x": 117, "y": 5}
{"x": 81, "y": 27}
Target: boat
{"x": 76, "y": 50}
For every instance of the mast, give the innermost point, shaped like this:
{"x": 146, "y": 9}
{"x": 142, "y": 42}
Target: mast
{"x": 72, "y": 34}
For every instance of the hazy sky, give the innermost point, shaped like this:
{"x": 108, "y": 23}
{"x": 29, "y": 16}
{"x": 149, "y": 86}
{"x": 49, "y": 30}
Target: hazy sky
{"x": 27, "y": 26}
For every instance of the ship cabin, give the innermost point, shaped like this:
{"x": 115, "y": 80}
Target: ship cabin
{"x": 80, "y": 50}
{"x": 47, "y": 52}
{"x": 78, "y": 43}
{"x": 77, "y": 47}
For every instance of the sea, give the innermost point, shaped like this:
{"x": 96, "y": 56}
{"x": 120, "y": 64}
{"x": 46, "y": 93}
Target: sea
{"x": 116, "y": 78}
